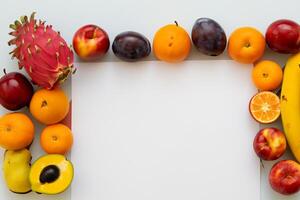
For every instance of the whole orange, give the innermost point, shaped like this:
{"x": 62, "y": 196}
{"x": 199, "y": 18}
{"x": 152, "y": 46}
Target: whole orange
{"x": 246, "y": 45}
{"x": 171, "y": 43}
{"x": 49, "y": 106}
{"x": 56, "y": 139}
{"x": 267, "y": 75}
{"x": 16, "y": 131}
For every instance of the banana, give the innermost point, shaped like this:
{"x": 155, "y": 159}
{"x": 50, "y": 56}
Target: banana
{"x": 290, "y": 104}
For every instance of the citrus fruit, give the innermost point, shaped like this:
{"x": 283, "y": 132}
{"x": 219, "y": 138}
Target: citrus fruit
{"x": 246, "y": 45}
{"x": 49, "y": 106}
{"x": 16, "y": 131}
{"x": 56, "y": 139}
{"x": 267, "y": 75}
{"x": 265, "y": 107}
{"x": 171, "y": 43}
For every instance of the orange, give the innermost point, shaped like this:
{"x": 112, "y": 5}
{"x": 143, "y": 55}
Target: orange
{"x": 49, "y": 106}
{"x": 267, "y": 75}
{"x": 265, "y": 107}
{"x": 171, "y": 43}
{"x": 56, "y": 139}
{"x": 246, "y": 45}
{"x": 16, "y": 131}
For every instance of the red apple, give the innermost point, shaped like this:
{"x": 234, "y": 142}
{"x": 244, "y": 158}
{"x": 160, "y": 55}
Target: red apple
{"x": 90, "y": 42}
{"x": 269, "y": 144}
{"x": 284, "y": 177}
{"x": 15, "y": 91}
{"x": 283, "y": 36}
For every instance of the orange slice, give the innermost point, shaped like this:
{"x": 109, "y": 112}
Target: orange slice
{"x": 265, "y": 107}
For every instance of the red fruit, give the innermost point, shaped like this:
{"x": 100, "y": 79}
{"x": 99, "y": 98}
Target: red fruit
{"x": 90, "y": 42}
{"x": 283, "y": 36}
{"x": 15, "y": 91}
{"x": 43, "y": 53}
{"x": 284, "y": 177}
{"x": 269, "y": 144}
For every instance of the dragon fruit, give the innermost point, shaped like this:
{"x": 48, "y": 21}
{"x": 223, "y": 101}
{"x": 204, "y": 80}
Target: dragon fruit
{"x": 43, "y": 53}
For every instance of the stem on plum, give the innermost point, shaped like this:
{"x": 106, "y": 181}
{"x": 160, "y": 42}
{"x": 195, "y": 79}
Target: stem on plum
{"x": 4, "y": 70}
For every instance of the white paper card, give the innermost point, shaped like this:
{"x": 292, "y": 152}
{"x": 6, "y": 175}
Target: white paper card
{"x": 157, "y": 131}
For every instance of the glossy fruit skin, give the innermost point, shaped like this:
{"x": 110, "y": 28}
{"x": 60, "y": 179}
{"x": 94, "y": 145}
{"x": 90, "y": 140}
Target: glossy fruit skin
{"x": 284, "y": 177}
{"x": 267, "y": 75}
{"x": 171, "y": 43}
{"x": 246, "y": 45}
{"x": 290, "y": 104}
{"x": 131, "y": 46}
{"x": 283, "y": 36}
{"x": 15, "y": 91}
{"x": 209, "y": 37}
{"x": 269, "y": 144}
{"x": 49, "y": 174}
{"x": 49, "y": 106}
{"x": 90, "y": 42}
{"x": 16, "y": 131}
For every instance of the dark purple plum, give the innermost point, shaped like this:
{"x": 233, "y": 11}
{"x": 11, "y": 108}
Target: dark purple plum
{"x": 209, "y": 37}
{"x": 131, "y": 46}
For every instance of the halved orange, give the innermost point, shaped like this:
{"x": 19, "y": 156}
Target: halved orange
{"x": 265, "y": 107}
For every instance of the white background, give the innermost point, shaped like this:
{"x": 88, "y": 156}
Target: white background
{"x": 154, "y": 130}
{"x": 146, "y": 17}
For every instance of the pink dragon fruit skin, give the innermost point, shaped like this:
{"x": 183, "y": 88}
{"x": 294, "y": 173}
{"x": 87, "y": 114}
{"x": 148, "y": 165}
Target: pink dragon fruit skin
{"x": 43, "y": 53}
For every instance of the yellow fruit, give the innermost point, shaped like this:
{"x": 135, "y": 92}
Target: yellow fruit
{"x": 290, "y": 104}
{"x": 51, "y": 174}
{"x": 16, "y": 168}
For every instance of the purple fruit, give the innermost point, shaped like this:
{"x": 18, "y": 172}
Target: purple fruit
{"x": 209, "y": 37}
{"x": 131, "y": 46}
